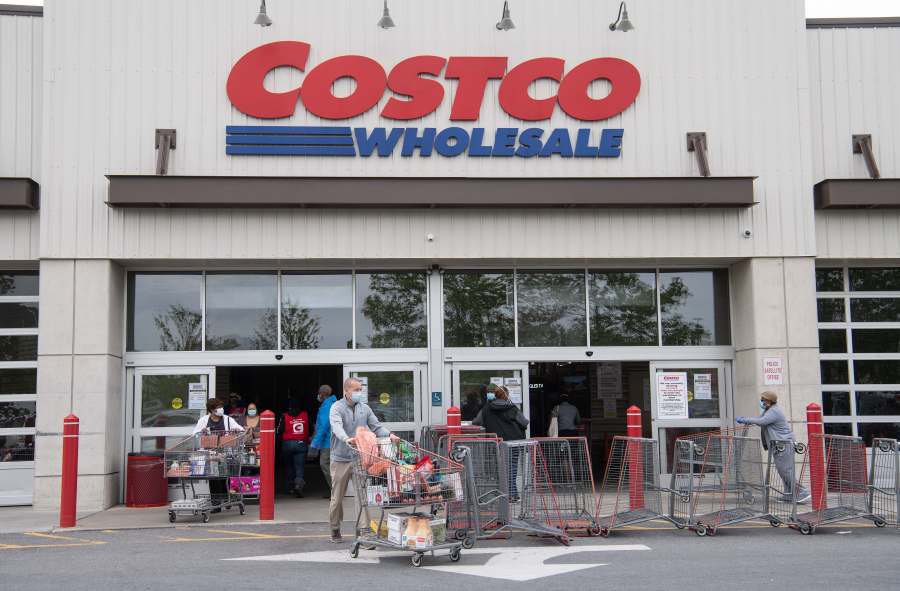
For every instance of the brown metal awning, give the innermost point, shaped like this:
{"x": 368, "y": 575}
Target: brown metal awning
{"x": 19, "y": 193}
{"x": 858, "y": 194}
{"x": 213, "y": 191}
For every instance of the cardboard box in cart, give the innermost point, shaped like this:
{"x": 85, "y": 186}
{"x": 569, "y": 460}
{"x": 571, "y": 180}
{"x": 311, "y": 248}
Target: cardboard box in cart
{"x": 407, "y": 530}
{"x": 397, "y": 523}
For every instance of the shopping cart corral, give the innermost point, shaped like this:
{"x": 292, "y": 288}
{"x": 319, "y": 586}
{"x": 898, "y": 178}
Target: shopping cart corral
{"x": 391, "y": 476}
{"x": 884, "y": 494}
{"x": 213, "y": 459}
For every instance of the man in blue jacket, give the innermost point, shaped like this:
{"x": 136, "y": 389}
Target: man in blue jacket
{"x": 321, "y": 442}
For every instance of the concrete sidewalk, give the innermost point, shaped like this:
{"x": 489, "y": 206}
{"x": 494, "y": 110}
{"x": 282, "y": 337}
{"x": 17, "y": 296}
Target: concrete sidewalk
{"x": 22, "y": 519}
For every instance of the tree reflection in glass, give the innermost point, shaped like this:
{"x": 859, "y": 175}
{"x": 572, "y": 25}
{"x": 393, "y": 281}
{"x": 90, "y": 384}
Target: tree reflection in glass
{"x": 391, "y": 310}
{"x": 694, "y": 308}
{"x": 551, "y": 309}
{"x": 165, "y": 311}
{"x": 478, "y": 309}
{"x": 623, "y": 309}
{"x": 240, "y": 311}
{"x": 178, "y": 329}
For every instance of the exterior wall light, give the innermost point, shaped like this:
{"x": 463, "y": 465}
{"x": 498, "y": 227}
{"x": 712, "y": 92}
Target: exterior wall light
{"x": 505, "y": 23}
{"x": 262, "y": 19}
{"x": 623, "y": 23}
{"x": 386, "y": 22}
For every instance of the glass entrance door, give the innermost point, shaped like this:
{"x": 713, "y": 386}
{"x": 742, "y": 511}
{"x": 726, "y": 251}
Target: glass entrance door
{"x": 471, "y": 380}
{"x": 687, "y": 397}
{"x": 167, "y": 403}
{"x": 394, "y": 393}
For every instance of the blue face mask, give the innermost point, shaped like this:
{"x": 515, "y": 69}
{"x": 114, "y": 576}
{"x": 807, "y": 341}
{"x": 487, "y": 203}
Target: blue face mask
{"x": 358, "y": 396}
{"x": 762, "y": 406}
{"x": 491, "y": 396}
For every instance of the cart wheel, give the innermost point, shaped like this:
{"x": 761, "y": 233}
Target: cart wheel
{"x": 799, "y": 448}
{"x": 417, "y": 560}
{"x": 604, "y": 532}
{"x": 206, "y": 518}
{"x": 454, "y": 554}
{"x": 242, "y": 509}
{"x": 699, "y": 450}
{"x": 884, "y": 446}
{"x": 775, "y": 522}
{"x": 700, "y": 530}
{"x": 805, "y": 529}
{"x": 880, "y": 522}
{"x": 594, "y": 531}
{"x": 171, "y": 516}
{"x": 468, "y": 543}
{"x": 461, "y": 534}
{"x": 354, "y": 550}
{"x": 748, "y": 497}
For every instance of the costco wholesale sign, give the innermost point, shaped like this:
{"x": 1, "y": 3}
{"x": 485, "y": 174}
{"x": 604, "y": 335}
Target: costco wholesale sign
{"x": 416, "y": 90}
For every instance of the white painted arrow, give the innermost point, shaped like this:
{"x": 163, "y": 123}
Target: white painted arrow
{"x": 509, "y": 564}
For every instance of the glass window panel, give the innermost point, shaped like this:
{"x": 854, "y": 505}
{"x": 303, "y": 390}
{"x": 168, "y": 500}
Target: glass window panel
{"x": 671, "y": 435}
{"x": 834, "y": 372}
{"x": 877, "y": 403}
{"x": 241, "y": 311}
{"x": 551, "y": 309}
{"x": 17, "y": 415}
{"x": 839, "y": 429}
{"x": 478, "y": 309}
{"x": 623, "y": 308}
{"x": 18, "y": 381}
{"x": 829, "y": 280}
{"x": 833, "y": 341}
{"x": 875, "y": 309}
{"x": 24, "y": 315}
{"x": 694, "y": 307}
{"x": 836, "y": 403}
{"x": 473, "y": 384}
{"x": 18, "y": 348}
{"x": 16, "y": 448}
{"x": 706, "y": 405}
{"x": 884, "y": 279}
{"x": 877, "y": 340}
{"x": 159, "y": 407}
{"x": 881, "y": 371}
{"x": 160, "y": 444}
{"x": 165, "y": 311}
{"x": 390, "y": 310}
{"x": 316, "y": 311}
{"x": 392, "y": 395}
{"x": 870, "y": 431}
{"x": 830, "y": 309}
{"x": 18, "y": 283}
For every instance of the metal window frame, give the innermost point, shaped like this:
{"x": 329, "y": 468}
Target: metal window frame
{"x": 22, "y": 396}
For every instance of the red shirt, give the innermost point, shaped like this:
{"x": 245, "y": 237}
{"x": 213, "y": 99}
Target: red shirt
{"x": 295, "y": 428}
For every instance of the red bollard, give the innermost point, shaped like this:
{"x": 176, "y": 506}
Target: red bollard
{"x": 454, "y": 421}
{"x": 267, "y": 466}
{"x": 816, "y": 450}
{"x": 635, "y": 460}
{"x": 69, "y": 485}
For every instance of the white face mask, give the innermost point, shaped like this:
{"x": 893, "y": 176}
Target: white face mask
{"x": 220, "y": 412}
{"x": 357, "y": 396}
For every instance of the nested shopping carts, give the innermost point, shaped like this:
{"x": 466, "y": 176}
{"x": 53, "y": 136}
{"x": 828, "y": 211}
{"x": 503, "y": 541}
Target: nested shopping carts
{"x": 394, "y": 475}
{"x": 630, "y": 493}
{"x": 430, "y": 437}
{"x": 718, "y": 479}
{"x": 570, "y": 475}
{"x": 884, "y": 494}
{"x": 212, "y": 459}
{"x": 478, "y": 516}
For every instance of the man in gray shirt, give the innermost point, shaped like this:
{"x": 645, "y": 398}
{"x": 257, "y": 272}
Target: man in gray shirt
{"x": 567, "y": 417}
{"x": 345, "y": 416}
{"x": 773, "y": 426}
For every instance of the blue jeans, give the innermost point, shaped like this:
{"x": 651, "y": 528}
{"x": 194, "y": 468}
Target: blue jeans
{"x": 293, "y": 454}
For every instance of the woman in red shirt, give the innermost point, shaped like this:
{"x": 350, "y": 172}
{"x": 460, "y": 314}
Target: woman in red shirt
{"x": 294, "y": 439}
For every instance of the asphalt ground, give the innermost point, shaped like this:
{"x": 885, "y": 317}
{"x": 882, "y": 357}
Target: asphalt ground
{"x": 753, "y": 556}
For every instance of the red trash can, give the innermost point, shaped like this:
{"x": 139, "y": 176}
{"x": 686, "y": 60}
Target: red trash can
{"x": 146, "y": 482}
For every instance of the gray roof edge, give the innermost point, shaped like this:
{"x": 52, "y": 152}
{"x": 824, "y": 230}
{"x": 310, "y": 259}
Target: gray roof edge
{"x": 21, "y": 10}
{"x": 853, "y": 23}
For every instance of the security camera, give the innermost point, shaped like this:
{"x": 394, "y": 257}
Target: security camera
{"x": 279, "y": 357}
{"x": 748, "y": 233}
{"x": 589, "y": 353}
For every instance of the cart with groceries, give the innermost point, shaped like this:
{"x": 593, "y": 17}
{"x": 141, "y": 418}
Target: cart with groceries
{"x": 411, "y": 489}
{"x": 205, "y": 465}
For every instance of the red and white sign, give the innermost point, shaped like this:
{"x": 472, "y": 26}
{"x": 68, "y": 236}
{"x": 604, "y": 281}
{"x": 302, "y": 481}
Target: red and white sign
{"x": 418, "y": 90}
{"x": 773, "y": 371}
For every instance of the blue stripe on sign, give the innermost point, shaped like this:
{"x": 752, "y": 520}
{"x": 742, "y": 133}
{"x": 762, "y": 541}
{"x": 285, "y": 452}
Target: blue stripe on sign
{"x": 292, "y": 150}
{"x": 285, "y": 130}
{"x": 290, "y": 140}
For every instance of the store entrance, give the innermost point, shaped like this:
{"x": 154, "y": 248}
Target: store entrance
{"x": 601, "y": 391}
{"x": 273, "y": 388}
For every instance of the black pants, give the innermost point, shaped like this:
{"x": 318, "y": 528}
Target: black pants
{"x": 568, "y": 432}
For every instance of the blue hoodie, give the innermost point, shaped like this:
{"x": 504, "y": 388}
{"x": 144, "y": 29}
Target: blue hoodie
{"x": 322, "y": 438}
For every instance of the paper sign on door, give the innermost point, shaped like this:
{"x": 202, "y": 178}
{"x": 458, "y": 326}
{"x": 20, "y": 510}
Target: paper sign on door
{"x": 672, "y": 395}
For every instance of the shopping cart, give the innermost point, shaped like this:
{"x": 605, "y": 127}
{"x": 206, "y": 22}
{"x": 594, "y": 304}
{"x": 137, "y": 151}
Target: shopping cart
{"x": 401, "y": 475}
{"x": 478, "y": 515}
{"x": 834, "y": 470}
{"x": 569, "y": 469}
{"x": 445, "y": 442}
{"x": 430, "y": 435}
{"x": 781, "y": 479}
{"x": 630, "y": 492}
{"x": 528, "y": 502}
{"x": 884, "y": 494}
{"x": 214, "y": 459}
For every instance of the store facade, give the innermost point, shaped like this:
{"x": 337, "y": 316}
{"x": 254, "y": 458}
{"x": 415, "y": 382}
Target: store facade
{"x": 650, "y": 218}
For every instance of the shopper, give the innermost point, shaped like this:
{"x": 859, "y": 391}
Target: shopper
{"x": 215, "y": 419}
{"x": 250, "y": 421}
{"x": 774, "y": 427}
{"x": 294, "y": 429}
{"x": 345, "y": 417}
{"x": 321, "y": 443}
{"x": 235, "y": 405}
{"x": 502, "y": 417}
{"x": 567, "y": 416}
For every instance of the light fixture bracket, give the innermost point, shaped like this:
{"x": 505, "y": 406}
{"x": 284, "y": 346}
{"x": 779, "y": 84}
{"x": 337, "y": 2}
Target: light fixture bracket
{"x": 696, "y": 142}
{"x": 862, "y": 144}
{"x": 165, "y": 142}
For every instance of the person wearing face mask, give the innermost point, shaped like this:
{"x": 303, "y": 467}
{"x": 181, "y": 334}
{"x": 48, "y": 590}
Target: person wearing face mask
{"x": 345, "y": 417}
{"x": 215, "y": 419}
{"x": 502, "y": 417}
{"x": 250, "y": 421}
{"x": 321, "y": 443}
{"x": 774, "y": 427}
